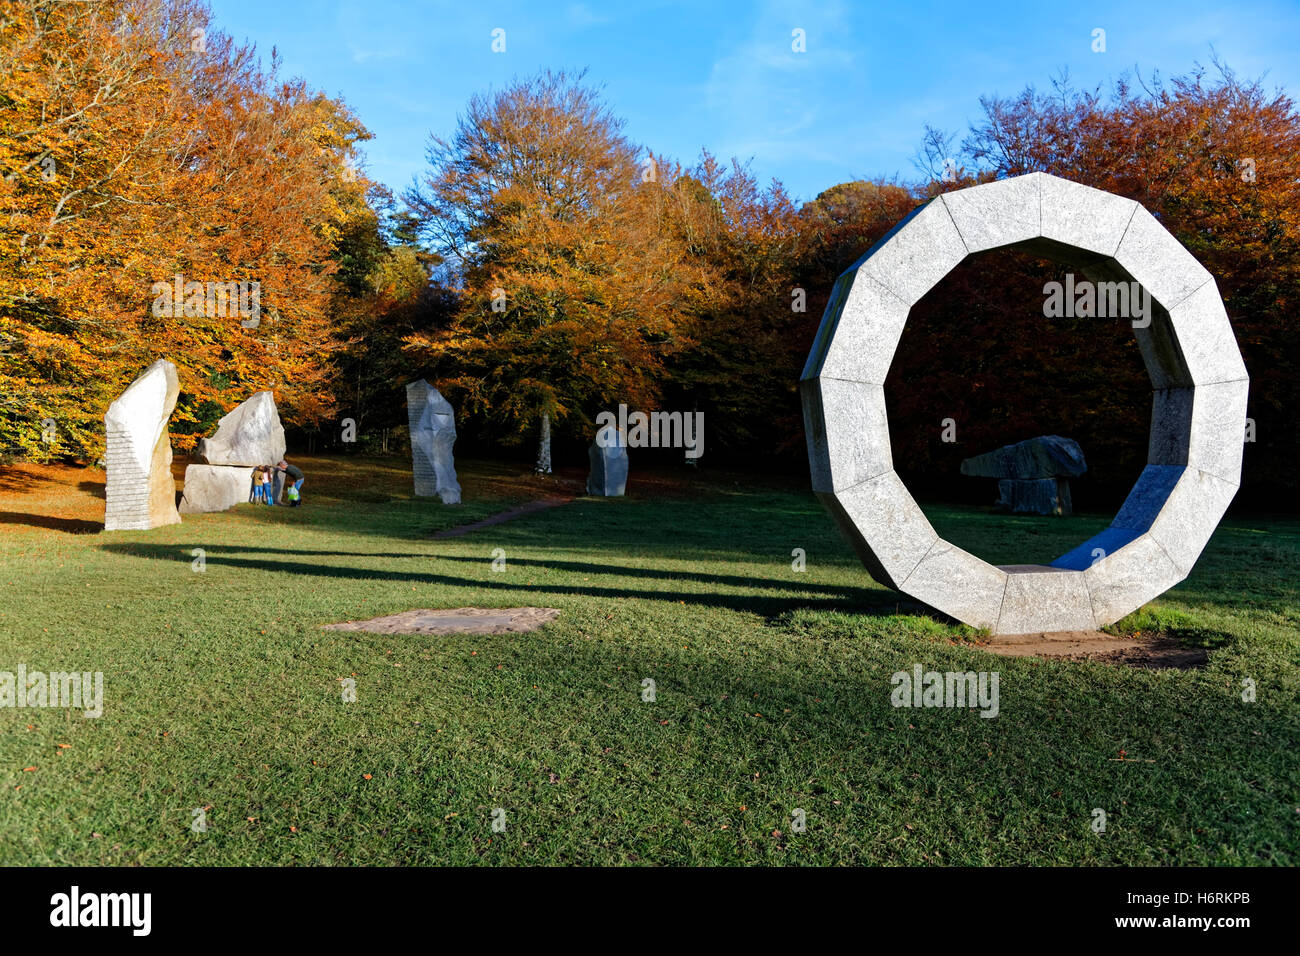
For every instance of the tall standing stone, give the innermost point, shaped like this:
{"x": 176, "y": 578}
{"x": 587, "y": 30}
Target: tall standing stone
{"x": 432, "y": 423}
{"x": 140, "y": 491}
{"x": 608, "y": 457}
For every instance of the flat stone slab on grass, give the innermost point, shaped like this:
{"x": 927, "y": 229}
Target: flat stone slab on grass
{"x": 462, "y": 620}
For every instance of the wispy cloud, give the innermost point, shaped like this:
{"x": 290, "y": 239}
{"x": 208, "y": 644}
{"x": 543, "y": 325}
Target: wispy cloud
{"x": 581, "y": 15}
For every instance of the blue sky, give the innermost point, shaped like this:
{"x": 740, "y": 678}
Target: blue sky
{"x": 723, "y": 75}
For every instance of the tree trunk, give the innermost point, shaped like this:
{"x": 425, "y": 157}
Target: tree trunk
{"x": 544, "y": 446}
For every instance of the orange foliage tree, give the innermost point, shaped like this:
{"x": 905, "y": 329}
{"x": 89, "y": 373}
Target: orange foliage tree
{"x": 570, "y": 281}
{"x": 138, "y": 144}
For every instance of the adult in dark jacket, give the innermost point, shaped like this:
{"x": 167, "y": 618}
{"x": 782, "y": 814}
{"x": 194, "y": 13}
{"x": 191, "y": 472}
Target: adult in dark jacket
{"x": 288, "y": 475}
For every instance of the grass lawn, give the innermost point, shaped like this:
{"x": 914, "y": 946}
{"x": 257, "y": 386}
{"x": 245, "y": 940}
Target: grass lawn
{"x": 773, "y": 690}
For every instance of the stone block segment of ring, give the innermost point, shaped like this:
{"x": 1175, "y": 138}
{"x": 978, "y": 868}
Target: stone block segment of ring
{"x": 1198, "y": 409}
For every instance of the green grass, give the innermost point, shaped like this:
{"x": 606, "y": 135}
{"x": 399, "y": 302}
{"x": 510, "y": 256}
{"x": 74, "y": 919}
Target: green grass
{"x": 773, "y": 693}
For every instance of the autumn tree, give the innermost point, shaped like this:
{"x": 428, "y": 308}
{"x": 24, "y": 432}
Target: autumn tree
{"x": 746, "y": 317}
{"x": 138, "y": 143}
{"x": 400, "y": 294}
{"x": 570, "y": 284}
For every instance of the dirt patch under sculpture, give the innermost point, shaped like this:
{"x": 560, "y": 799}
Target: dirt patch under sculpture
{"x": 461, "y": 620}
{"x": 1146, "y": 651}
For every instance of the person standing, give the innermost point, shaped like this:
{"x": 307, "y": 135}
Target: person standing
{"x": 291, "y": 475}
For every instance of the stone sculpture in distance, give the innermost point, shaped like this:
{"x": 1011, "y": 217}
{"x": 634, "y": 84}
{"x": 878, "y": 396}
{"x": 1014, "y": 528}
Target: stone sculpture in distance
{"x": 432, "y": 423}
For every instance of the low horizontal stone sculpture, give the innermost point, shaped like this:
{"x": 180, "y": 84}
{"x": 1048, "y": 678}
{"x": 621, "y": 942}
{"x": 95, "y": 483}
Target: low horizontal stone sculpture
{"x": 1032, "y": 474}
{"x": 432, "y": 424}
{"x": 215, "y": 487}
{"x": 1047, "y": 456}
{"x": 139, "y": 490}
{"x": 249, "y": 434}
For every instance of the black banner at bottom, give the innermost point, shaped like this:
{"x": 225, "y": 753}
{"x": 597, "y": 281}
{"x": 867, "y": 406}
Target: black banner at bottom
{"x": 339, "y": 906}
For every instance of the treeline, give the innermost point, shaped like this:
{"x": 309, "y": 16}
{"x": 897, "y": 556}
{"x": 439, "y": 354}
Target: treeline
{"x": 547, "y": 267}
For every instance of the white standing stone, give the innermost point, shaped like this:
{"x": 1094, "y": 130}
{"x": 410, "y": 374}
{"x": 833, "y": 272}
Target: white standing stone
{"x": 140, "y": 491}
{"x": 249, "y": 434}
{"x": 215, "y": 487}
{"x": 432, "y": 423}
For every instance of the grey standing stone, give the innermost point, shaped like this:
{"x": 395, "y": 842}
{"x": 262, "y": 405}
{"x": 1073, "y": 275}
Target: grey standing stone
{"x": 432, "y": 423}
{"x": 249, "y": 434}
{"x": 608, "y": 458}
{"x": 139, "y": 490}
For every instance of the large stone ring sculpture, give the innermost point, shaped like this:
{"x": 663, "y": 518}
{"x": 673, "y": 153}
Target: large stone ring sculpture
{"x": 1198, "y": 413}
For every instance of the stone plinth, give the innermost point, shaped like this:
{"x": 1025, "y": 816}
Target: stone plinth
{"x": 1034, "y": 496}
{"x": 215, "y": 487}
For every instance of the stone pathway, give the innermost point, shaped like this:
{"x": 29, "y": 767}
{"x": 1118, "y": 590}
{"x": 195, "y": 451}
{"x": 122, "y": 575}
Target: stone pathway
{"x": 531, "y": 507}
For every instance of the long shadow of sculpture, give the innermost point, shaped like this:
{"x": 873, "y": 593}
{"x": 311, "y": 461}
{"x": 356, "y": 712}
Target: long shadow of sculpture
{"x": 839, "y": 599}
{"x": 51, "y": 523}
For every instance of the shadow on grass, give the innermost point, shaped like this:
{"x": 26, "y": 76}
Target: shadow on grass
{"x": 96, "y": 489}
{"x": 835, "y": 598}
{"x": 51, "y": 523}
